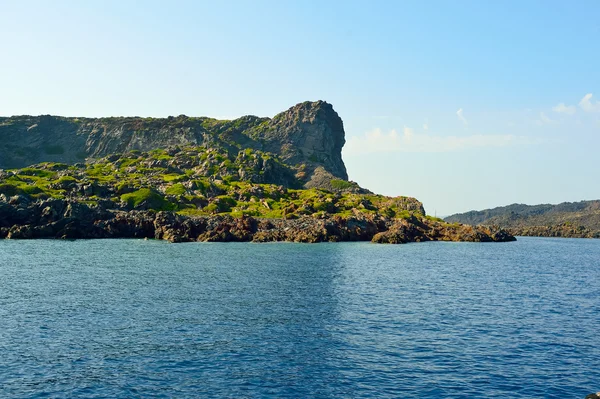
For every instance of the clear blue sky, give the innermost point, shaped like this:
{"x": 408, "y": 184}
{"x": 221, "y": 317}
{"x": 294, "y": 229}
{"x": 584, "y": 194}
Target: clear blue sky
{"x": 462, "y": 104}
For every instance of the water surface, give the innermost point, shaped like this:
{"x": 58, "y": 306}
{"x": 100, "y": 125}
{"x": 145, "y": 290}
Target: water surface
{"x": 133, "y": 319}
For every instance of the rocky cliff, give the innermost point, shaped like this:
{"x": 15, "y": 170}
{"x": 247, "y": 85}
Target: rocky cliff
{"x": 307, "y": 137}
{"x": 200, "y": 179}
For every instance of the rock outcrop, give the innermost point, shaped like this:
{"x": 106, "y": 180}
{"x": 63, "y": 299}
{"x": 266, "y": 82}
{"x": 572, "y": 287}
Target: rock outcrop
{"x": 310, "y": 133}
{"x": 307, "y": 137}
{"x": 21, "y": 218}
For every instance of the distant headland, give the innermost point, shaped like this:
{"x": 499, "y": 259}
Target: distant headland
{"x": 568, "y": 219}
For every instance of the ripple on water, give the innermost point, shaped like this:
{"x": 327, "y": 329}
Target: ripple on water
{"x": 132, "y": 318}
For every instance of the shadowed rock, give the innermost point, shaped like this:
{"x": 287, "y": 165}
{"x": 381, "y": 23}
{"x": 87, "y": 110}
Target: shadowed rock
{"x": 55, "y": 218}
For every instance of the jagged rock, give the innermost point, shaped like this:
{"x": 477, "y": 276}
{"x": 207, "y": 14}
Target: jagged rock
{"x": 397, "y": 235}
{"x": 7, "y": 214}
{"x": 19, "y": 200}
{"x": 175, "y": 228}
{"x": 20, "y": 232}
{"x": 309, "y": 134}
{"x": 58, "y": 218}
{"x": 133, "y": 224}
{"x": 228, "y": 229}
{"x": 417, "y": 230}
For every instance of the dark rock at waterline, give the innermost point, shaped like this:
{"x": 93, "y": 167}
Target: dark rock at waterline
{"x": 21, "y": 218}
{"x": 416, "y": 230}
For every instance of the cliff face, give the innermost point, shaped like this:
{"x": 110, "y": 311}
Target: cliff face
{"x": 308, "y": 137}
{"x": 308, "y": 132}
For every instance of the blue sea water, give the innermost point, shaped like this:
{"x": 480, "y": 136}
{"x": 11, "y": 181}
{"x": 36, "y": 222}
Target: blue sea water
{"x": 148, "y": 319}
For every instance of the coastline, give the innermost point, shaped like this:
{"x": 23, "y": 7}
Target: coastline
{"x": 21, "y": 218}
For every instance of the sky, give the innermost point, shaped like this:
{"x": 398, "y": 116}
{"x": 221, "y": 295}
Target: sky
{"x": 462, "y": 104}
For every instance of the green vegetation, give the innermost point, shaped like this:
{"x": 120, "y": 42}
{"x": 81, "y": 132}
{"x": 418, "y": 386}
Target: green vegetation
{"x": 201, "y": 181}
{"x": 13, "y": 189}
{"x": 148, "y": 197}
{"x": 434, "y": 219}
{"x": 342, "y": 184}
{"x": 176, "y": 189}
{"x": 36, "y": 172}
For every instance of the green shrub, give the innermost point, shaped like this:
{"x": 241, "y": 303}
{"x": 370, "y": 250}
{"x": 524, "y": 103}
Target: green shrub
{"x": 24, "y": 189}
{"x": 66, "y": 179}
{"x": 211, "y": 208}
{"x": 151, "y": 198}
{"x": 173, "y": 177}
{"x": 202, "y": 185}
{"x": 403, "y": 214}
{"x": 341, "y": 184}
{"x": 435, "y": 219}
{"x": 176, "y": 189}
{"x": 35, "y": 172}
{"x": 225, "y": 203}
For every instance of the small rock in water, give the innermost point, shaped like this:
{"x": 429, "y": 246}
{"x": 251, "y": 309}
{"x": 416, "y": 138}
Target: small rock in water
{"x": 593, "y": 396}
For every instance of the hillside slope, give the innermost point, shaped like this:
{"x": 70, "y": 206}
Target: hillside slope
{"x": 568, "y": 219}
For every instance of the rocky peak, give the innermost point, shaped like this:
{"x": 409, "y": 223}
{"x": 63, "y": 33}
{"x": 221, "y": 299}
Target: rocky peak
{"x": 310, "y": 133}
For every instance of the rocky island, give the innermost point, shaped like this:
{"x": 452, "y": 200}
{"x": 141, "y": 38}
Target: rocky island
{"x": 200, "y": 179}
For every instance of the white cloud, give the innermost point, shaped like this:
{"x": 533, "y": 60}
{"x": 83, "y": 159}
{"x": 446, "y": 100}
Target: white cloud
{"x": 460, "y": 115}
{"x": 564, "y": 109}
{"x": 425, "y": 126}
{"x": 377, "y": 141}
{"x": 587, "y": 105}
{"x": 544, "y": 120}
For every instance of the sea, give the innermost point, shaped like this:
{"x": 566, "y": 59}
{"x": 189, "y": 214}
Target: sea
{"x": 149, "y": 319}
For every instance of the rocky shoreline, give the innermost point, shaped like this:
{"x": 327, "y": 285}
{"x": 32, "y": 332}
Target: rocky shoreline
{"x": 22, "y": 218}
{"x": 567, "y": 220}
{"x": 565, "y": 230}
